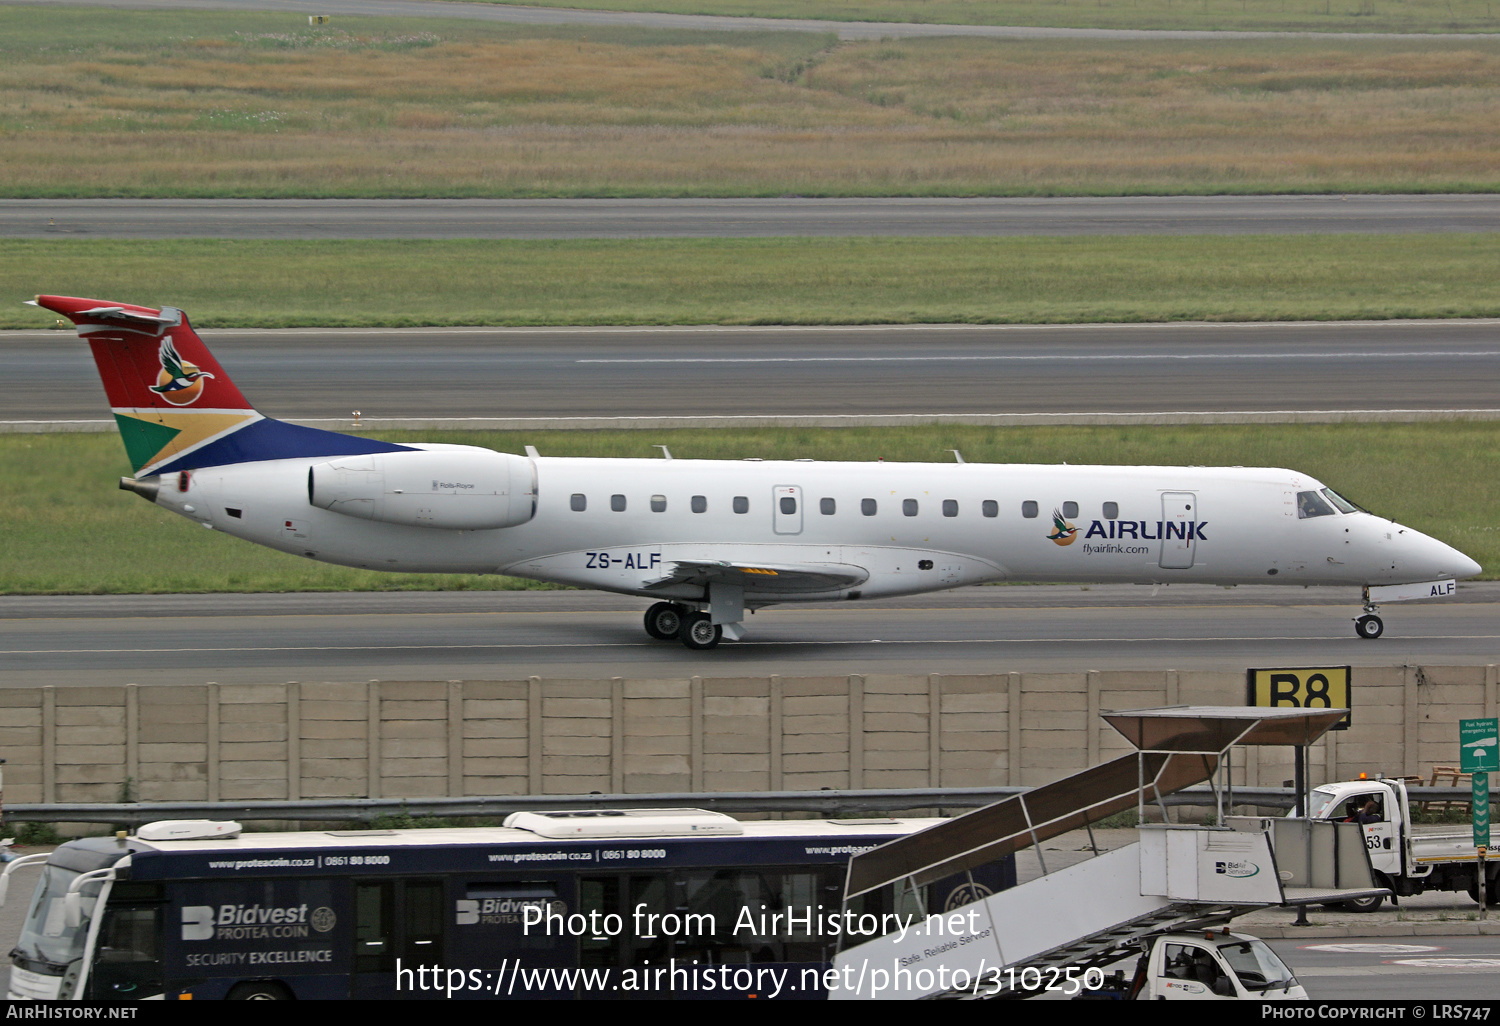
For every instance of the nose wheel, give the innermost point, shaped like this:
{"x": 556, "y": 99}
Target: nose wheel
{"x": 1369, "y": 626}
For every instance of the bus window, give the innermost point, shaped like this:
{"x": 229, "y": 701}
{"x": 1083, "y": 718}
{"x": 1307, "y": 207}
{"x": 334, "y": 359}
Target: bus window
{"x": 127, "y": 963}
{"x": 373, "y": 948}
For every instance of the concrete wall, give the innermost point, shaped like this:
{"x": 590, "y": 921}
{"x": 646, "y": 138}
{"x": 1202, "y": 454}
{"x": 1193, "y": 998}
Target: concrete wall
{"x": 393, "y": 739}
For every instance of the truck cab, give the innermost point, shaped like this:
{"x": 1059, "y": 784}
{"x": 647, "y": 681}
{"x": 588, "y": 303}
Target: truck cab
{"x": 1213, "y": 966}
{"x": 1380, "y": 806}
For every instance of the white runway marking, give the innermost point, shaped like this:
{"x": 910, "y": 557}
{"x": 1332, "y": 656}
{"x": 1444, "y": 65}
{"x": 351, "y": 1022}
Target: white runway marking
{"x": 1043, "y": 357}
{"x": 1358, "y": 948}
{"x": 417, "y": 647}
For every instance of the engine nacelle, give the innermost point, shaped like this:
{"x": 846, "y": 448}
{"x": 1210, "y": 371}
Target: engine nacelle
{"x": 451, "y": 489}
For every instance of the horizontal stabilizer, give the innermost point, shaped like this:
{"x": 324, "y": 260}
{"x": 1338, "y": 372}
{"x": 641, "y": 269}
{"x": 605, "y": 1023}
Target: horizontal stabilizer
{"x": 90, "y": 314}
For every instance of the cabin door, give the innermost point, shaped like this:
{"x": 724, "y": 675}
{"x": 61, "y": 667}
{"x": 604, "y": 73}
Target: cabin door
{"x": 786, "y": 507}
{"x": 1179, "y": 516}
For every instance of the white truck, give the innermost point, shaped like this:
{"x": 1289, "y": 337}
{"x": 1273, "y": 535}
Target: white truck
{"x": 1203, "y": 966}
{"x": 1405, "y": 862}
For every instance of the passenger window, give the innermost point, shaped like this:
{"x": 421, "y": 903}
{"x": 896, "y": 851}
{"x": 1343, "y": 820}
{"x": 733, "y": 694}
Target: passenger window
{"x": 741, "y": 504}
{"x": 990, "y": 508}
{"x": 827, "y": 507}
{"x": 700, "y": 504}
{"x": 867, "y": 507}
{"x": 617, "y": 503}
{"x": 950, "y": 507}
{"x": 788, "y": 504}
{"x": 579, "y": 502}
{"x": 658, "y": 503}
{"x": 1070, "y": 509}
{"x": 1311, "y": 504}
{"x": 908, "y": 507}
{"x": 1111, "y": 511}
{"x": 1028, "y": 509}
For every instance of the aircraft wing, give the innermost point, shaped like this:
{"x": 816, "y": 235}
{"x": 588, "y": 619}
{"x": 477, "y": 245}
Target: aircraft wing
{"x": 763, "y": 578}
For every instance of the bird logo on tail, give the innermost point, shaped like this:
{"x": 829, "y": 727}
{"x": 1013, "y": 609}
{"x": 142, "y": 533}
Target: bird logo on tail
{"x": 179, "y": 383}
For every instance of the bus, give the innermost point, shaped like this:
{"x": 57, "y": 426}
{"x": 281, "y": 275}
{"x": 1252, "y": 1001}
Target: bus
{"x": 606, "y": 904}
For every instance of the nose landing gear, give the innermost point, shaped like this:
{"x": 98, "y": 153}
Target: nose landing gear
{"x": 1369, "y": 626}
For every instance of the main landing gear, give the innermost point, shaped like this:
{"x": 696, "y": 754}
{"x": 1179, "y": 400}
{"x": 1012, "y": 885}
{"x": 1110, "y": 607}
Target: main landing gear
{"x": 667, "y": 620}
{"x": 1369, "y": 626}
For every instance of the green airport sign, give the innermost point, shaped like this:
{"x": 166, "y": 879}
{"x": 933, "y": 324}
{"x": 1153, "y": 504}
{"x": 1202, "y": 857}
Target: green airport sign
{"x": 1479, "y": 746}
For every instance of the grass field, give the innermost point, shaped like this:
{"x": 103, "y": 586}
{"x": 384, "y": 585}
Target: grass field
{"x": 188, "y": 103}
{"x": 1284, "y": 15}
{"x": 69, "y": 530}
{"x": 767, "y": 281}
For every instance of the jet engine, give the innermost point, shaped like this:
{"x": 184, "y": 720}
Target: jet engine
{"x": 459, "y": 489}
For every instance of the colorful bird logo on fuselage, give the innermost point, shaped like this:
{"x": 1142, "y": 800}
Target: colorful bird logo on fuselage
{"x": 1063, "y": 533}
{"x": 179, "y": 383}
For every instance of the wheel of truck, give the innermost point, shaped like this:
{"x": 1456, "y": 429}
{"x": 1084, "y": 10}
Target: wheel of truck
{"x": 1372, "y": 903}
{"x": 1493, "y": 895}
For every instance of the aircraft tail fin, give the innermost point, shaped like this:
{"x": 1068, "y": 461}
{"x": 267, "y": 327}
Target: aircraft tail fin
{"x": 176, "y": 407}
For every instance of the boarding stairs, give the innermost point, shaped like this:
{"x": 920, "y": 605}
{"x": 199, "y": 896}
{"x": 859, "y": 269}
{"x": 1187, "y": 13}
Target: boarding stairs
{"x": 1174, "y": 879}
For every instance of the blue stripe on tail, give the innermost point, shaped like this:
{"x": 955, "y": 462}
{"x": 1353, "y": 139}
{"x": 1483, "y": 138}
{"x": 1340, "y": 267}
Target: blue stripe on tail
{"x": 269, "y": 439}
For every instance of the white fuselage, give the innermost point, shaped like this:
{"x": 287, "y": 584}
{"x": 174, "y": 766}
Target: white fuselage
{"x": 933, "y": 526}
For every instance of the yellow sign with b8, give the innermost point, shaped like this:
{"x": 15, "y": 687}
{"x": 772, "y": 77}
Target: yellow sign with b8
{"x": 1301, "y": 687}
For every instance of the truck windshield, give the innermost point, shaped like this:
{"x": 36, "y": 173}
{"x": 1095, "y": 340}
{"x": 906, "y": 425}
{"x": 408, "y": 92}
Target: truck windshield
{"x": 1318, "y": 802}
{"x": 1257, "y": 965}
{"x": 46, "y": 936}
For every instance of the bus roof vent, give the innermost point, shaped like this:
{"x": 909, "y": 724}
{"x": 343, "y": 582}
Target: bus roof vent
{"x": 188, "y": 830}
{"x": 626, "y": 823}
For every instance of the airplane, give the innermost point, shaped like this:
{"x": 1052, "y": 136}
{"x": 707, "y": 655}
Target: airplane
{"x": 710, "y": 540}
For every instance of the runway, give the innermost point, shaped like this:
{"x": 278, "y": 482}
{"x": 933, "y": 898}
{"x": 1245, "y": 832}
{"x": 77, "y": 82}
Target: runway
{"x": 700, "y": 23}
{"x": 1270, "y": 368}
{"x": 740, "y": 218}
{"x": 235, "y": 639}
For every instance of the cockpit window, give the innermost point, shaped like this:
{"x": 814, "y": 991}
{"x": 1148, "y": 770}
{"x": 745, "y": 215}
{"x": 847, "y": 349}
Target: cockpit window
{"x": 1311, "y": 504}
{"x": 1343, "y": 505}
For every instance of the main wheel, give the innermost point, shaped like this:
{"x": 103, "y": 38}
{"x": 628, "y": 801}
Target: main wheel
{"x": 1369, "y": 627}
{"x": 664, "y": 620}
{"x": 700, "y": 632}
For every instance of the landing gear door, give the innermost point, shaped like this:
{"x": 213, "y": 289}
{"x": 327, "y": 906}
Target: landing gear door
{"x": 786, "y": 506}
{"x": 1179, "y": 519}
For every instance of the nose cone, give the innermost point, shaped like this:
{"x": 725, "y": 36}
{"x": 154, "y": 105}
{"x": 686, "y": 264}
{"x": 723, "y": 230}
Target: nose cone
{"x": 1438, "y": 560}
